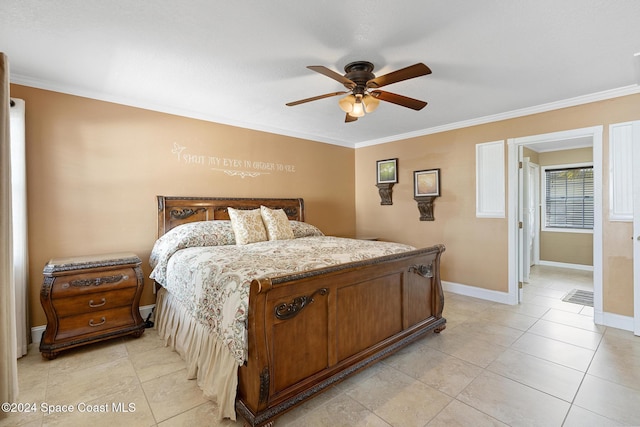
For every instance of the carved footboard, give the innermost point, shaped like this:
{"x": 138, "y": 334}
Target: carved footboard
{"x": 308, "y": 331}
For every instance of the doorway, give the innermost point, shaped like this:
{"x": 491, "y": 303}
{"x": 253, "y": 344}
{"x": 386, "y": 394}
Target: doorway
{"x": 519, "y": 243}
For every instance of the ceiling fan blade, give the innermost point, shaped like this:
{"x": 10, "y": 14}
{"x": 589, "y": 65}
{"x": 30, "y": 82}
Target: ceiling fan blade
{"x": 348, "y": 118}
{"x": 332, "y": 74}
{"x": 315, "y": 98}
{"x": 405, "y": 101}
{"x": 407, "y": 73}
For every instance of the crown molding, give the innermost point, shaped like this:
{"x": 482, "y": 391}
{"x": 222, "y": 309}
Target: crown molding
{"x": 71, "y": 90}
{"x": 556, "y": 105}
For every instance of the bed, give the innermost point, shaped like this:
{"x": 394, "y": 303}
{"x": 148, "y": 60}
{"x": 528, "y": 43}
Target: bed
{"x": 274, "y": 336}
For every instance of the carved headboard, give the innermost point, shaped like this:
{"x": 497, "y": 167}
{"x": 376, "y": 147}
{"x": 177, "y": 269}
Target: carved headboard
{"x": 173, "y": 211}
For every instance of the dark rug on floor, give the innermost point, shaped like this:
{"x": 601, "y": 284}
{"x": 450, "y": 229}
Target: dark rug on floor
{"x": 578, "y": 296}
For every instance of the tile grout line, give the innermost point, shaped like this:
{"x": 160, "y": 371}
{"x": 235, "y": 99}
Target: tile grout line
{"x": 144, "y": 393}
{"x": 584, "y": 375}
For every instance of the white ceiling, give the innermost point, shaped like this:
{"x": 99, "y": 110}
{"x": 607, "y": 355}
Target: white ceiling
{"x": 239, "y": 62}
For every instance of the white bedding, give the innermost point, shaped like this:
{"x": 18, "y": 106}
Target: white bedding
{"x": 212, "y": 282}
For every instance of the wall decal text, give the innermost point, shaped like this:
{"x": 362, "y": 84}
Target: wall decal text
{"x": 230, "y": 166}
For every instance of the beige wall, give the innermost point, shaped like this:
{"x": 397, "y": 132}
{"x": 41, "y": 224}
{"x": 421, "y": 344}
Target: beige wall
{"x": 571, "y": 248}
{"x": 532, "y": 155}
{"x": 566, "y": 157}
{"x": 94, "y": 169}
{"x": 476, "y": 252}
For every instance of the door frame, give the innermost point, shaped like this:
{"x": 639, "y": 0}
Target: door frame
{"x": 513, "y": 246}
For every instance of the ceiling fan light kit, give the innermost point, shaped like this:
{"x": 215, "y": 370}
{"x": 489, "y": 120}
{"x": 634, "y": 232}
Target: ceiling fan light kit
{"x": 370, "y": 103}
{"x": 358, "y": 108}
{"x": 359, "y": 80}
{"x": 346, "y": 103}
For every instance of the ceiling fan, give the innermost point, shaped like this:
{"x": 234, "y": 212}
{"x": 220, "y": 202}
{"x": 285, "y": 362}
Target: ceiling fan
{"x": 363, "y": 96}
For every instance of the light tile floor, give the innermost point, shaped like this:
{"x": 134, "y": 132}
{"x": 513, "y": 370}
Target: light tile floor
{"x": 539, "y": 363}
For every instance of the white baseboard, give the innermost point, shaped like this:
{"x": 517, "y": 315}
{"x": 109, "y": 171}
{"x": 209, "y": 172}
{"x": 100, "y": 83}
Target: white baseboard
{"x": 36, "y": 331}
{"x": 472, "y": 291}
{"x": 617, "y": 321}
{"x": 611, "y": 320}
{"x": 146, "y": 310}
{"x": 566, "y": 265}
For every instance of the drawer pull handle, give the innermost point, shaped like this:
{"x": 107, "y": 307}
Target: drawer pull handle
{"x": 102, "y": 320}
{"x": 94, "y": 305}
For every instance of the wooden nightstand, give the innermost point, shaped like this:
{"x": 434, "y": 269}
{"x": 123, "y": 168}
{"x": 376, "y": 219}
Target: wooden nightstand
{"x": 91, "y": 298}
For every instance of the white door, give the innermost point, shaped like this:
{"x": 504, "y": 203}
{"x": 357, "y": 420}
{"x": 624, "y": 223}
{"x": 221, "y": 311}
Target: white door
{"x": 636, "y": 227}
{"x": 530, "y": 195}
{"x": 527, "y": 232}
{"x": 534, "y": 213}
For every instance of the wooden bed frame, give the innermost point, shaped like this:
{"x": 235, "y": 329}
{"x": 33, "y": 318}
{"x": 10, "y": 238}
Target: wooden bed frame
{"x": 308, "y": 331}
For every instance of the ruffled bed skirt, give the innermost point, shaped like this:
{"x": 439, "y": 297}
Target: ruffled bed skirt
{"x": 208, "y": 360}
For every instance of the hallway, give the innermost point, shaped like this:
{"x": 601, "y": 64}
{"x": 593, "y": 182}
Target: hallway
{"x": 548, "y": 284}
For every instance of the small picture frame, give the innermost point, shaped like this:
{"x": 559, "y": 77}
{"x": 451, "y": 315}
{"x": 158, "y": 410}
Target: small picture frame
{"x": 426, "y": 183}
{"x": 387, "y": 171}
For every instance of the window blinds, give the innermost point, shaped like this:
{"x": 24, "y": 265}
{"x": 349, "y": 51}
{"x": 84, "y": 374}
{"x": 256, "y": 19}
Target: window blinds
{"x": 569, "y": 198}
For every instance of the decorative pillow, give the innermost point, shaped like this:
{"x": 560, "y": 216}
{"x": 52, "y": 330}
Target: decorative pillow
{"x": 303, "y": 229}
{"x": 247, "y": 226}
{"x": 276, "y": 223}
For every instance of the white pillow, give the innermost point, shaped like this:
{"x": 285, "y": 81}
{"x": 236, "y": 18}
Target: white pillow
{"x": 276, "y": 223}
{"x": 247, "y": 226}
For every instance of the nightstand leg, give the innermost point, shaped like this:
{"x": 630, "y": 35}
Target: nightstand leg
{"x": 49, "y": 355}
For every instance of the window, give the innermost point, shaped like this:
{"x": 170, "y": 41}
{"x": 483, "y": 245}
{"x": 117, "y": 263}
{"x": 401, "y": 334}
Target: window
{"x": 568, "y": 198}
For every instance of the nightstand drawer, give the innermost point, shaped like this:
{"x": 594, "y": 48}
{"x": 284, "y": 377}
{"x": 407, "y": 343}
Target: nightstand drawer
{"x": 89, "y": 299}
{"x": 77, "y": 284}
{"x": 92, "y": 302}
{"x": 90, "y": 323}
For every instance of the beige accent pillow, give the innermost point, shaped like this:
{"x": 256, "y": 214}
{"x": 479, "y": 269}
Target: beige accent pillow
{"x": 247, "y": 226}
{"x": 277, "y": 224}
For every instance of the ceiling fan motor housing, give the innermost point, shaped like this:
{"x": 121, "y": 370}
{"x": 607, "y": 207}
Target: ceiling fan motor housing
{"x": 359, "y": 72}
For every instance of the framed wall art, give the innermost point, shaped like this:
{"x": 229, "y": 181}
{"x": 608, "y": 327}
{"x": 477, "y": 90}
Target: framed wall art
{"x": 426, "y": 183}
{"x": 387, "y": 171}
